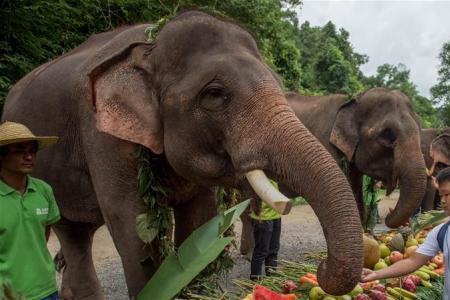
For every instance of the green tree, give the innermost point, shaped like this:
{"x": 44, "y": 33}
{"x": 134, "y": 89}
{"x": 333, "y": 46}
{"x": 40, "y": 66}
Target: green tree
{"x": 329, "y": 63}
{"x": 36, "y": 31}
{"x": 397, "y": 77}
{"x": 441, "y": 91}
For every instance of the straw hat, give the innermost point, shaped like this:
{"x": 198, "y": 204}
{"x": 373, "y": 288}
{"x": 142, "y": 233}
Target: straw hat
{"x": 11, "y": 132}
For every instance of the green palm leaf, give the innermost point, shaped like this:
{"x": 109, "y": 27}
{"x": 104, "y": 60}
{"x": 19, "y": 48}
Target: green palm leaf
{"x": 423, "y": 220}
{"x": 193, "y": 255}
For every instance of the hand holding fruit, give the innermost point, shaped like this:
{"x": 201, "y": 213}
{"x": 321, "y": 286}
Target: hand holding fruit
{"x": 368, "y": 275}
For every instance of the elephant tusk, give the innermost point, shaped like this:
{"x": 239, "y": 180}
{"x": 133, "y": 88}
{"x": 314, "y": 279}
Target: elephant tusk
{"x": 267, "y": 192}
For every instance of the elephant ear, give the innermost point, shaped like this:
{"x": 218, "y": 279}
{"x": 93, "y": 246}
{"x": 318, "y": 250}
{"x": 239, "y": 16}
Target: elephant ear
{"x": 344, "y": 134}
{"x": 124, "y": 101}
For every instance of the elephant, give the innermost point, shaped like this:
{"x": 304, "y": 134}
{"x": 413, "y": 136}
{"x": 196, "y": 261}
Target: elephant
{"x": 431, "y": 198}
{"x": 377, "y": 134}
{"x": 440, "y": 153}
{"x": 201, "y": 98}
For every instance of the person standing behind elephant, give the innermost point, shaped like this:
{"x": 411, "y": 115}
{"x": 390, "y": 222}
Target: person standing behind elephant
{"x": 27, "y": 209}
{"x": 266, "y": 232}
{"x": 372, "y": 197}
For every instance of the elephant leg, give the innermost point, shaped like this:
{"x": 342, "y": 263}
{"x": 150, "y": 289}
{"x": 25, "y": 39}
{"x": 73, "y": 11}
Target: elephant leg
{"x": 79, "y": 278}
{"x": 114, "y": 172}
{"x": 247, "y": 237}
{"x": 193, "y": 213}
{"x": 428, "y": 202}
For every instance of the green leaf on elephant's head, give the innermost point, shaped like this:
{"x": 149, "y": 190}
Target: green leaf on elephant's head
{"x": 144, "y": 228}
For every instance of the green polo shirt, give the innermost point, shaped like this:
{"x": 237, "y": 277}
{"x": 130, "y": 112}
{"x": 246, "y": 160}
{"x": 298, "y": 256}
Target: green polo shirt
{"x": 25, "y": 262}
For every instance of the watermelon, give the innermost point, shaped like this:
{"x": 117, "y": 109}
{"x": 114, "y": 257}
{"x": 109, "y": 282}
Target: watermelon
{"x": 262, "y": 293}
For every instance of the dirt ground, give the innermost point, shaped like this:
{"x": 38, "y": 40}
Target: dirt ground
{"x": 301, "y": 232}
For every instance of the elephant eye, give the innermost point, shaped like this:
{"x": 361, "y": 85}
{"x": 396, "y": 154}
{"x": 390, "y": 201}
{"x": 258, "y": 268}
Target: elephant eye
{"x": 214, "y": 98}
{"x": 387, "y": 137}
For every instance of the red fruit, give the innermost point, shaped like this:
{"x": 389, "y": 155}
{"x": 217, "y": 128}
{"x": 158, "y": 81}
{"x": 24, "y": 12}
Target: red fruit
{"x": 377, "y": 295}
{"x": 379, "y": 287}
{"x": 414, "y": 278}
{"x": 289, "y": 286}
{"x": 362, "y": 297}
{"x": 262, "y": 293}
{"x": 409, "y": 285}
{"x": 395, "y": 256}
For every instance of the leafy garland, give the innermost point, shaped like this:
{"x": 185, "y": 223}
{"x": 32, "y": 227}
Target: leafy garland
{"x": 152, "y": 189}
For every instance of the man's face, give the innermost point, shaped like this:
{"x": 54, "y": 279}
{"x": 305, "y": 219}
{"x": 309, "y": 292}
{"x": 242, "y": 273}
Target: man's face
{"x": 19, "y": 158}
{"x": 444, "y": 192}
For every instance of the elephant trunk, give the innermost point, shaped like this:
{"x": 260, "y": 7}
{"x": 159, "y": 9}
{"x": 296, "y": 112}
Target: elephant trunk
{"x": 307, "y": 168}
{"x": 410, "y": 169}
{"x": 304, "y": 165}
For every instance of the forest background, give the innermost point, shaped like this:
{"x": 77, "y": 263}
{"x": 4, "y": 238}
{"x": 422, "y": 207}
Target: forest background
{"x": 316, "y": 60}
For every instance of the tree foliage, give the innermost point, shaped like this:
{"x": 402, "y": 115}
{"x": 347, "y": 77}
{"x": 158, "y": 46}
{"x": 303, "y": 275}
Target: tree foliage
{"x": 441, "y": 91}
{"x": 329, "y": 63}
{"x": 36, "y": 31}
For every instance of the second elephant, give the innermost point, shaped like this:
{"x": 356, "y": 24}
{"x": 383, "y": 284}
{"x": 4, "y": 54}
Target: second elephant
{"x": 377, "y": 134}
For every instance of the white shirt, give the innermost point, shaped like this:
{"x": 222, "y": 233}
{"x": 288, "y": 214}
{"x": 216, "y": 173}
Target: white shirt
{"x": 431, "y": 247}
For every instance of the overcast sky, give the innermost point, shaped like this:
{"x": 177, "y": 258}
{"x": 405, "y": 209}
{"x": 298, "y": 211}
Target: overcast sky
{"x": 409, "y": 32}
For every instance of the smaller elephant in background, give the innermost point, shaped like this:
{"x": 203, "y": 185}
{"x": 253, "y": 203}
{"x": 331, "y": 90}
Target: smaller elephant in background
{"x": 377, "y": 134}
{"x": 427, "y": 136}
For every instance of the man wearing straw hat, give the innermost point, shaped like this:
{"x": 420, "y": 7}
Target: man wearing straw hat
{"x": 27, "y": 208}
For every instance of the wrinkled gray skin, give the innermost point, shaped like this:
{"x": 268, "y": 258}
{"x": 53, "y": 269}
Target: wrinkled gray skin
{"x": 378, "y": 133}
{"x": 202, "y": 99}
{"x": 431, "y": 198}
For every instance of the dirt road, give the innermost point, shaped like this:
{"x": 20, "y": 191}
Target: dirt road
{"x": 301, "y": 232}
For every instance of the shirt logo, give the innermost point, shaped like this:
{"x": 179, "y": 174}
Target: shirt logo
{"x": 41, "y": 211}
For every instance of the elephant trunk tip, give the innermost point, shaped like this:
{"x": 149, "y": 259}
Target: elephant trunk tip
{"x": 331, "y": 273}
{"x": 394, "y": 221}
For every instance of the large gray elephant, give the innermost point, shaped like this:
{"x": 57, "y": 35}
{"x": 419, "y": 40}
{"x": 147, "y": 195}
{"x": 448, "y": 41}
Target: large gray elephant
{"x": 430, "y": 200}
{"x": 377, "y": 134}
{"x": 203, "y": 101}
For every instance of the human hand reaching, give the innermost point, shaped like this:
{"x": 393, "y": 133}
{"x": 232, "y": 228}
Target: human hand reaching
{"x": 368, "y": 275}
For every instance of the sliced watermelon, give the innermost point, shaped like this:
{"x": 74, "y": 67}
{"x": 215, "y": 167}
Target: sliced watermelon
{"x": 262, "y": 293}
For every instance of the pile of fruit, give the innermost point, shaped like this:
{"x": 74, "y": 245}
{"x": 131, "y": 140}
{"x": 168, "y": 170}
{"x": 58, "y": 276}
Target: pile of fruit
{"x": 379, "y": 252}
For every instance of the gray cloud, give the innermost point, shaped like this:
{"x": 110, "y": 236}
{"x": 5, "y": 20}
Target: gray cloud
{"x": 409, "y": 32}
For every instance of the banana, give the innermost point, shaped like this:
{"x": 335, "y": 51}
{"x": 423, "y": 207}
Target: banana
{"x": 406, "y": 293}
{"x": 433, "y": 265}
{"x": 393, "y": 293}
{"x": 422, "y": 275}
{"x": 427, "y": 284}
{"x": 431, "y": 273}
